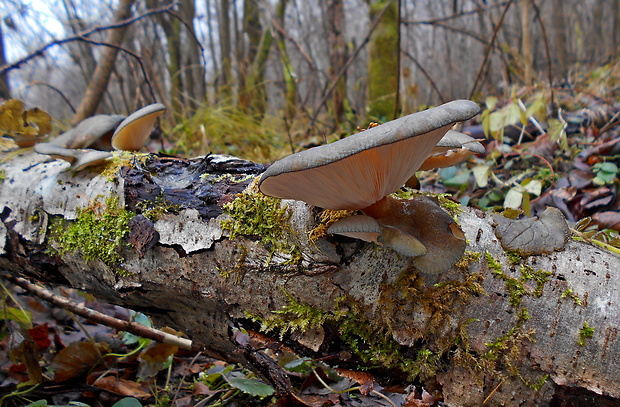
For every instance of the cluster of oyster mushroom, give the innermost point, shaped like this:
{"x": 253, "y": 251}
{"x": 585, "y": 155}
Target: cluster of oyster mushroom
{"x": 91, "y": 141}
{"x": 360, "y": 172}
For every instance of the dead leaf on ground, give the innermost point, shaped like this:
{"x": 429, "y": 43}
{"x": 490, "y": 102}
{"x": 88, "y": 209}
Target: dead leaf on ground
{"x": 533, "y": 236}
{"x": 76, "y": 359}
{"x": 365, "y": 380}
{"x": 122, "y": 387}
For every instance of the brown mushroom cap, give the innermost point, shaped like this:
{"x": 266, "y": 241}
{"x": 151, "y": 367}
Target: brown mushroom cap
{"x": 133, "y": 132}
{"x": 355, "y": 172}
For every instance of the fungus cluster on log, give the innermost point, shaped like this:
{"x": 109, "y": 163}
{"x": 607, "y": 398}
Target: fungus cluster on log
{"x": 89, "y": 143}
{"x": 361, "y": 171}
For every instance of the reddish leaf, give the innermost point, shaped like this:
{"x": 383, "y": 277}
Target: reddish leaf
{"x": 27, "y": 352}
{"x": 365, "y": 380}
{"x": 40, "y": 335}
{"x": 608, "y": 220}
{"x": 76, "y": 359}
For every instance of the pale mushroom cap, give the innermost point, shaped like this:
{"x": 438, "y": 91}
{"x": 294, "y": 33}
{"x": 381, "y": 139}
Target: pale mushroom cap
{"x": 455, "y": 139}
{"x": 361, "y": 227}
{"x": 56, "y": 151}
{"x": 355, "y": 172}
{"x": 89, "y": 131}
{"x": 87, "y": 158}
{"x": 133, "y": 132}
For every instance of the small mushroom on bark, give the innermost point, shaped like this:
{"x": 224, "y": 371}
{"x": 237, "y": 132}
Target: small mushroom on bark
{"x": 89, "y": 157}
{"x": 361, "y": 171}
{"x": 452, "y": 149}
{"x": 79, "y": 158}
{"x": 56, "y": 151}
{"x": 134, "y": 131}
{"x": 102, "y": 132}
{"x": 92, "y": 132}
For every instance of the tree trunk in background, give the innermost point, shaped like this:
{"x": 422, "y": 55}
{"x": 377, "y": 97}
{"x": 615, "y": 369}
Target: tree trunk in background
{"x": 225, "y": 83}
{"x": 496, "y": 329}
{"x": 558, "y": 22}
{"x": 596, "y": 43}
{"x": 99, "y": 82}
{"x": 290, "y": 82}
{"x": 383, "y": 61}
{"x": 255, "y": 82}
{"x": 172, "y": 29}
{"x": 337, "y": 56}
{"x": 253, "y": 30}
{"x": 527, "y": 53}
{"x": 5, "y": 92}
{"x": 194, "y": 86}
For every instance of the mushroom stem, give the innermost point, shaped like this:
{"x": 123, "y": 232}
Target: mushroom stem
{"x": 382, "y": 208}
{"x": 419, "y": 228}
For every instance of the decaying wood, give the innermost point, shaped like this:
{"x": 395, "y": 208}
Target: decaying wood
{"x": 489, "y": 328}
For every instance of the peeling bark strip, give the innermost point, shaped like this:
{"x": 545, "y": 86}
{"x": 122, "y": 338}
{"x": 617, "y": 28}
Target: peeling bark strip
{"x": 514, "y": 329}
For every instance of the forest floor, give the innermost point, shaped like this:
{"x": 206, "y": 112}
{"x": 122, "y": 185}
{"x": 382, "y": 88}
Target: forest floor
{"x": 545, "y": 146}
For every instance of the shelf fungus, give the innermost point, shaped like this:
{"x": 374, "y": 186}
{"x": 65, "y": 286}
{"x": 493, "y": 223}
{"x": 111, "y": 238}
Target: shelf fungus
{"x": 88, "y": 143}
{"x": 361, "y": 171}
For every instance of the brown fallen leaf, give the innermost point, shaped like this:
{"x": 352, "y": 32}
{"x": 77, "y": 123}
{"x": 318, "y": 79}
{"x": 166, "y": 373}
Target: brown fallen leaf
{"x": 608, "y": 220}
{"x": 76, "y": 359}
{"x": 122, "y": 387}
{"x": 365, "y": 380}
{"x": 533, "y": 236}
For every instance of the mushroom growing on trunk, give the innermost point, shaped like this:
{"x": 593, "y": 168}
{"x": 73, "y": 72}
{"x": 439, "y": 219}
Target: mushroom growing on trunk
{"x": 361, "y": 171}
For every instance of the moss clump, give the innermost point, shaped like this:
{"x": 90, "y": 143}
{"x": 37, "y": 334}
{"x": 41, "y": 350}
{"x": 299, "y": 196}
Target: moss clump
{"x": 97, "y": 231}
{"x": 325, "y": 219}
{"x": 540, "y": 277}
{"x": 517, "y": 288}
{"x": 121, "y": 159}
{"x": 2, "y": 176}
{"x": 467, "y": 258}
{"x": 263, "y": 217}
{"x": 505, "y": 350}
{"x": 371, "y": 344}
{"x": 295, "y": 317}
{"x": 154, "y": 210}
{"x": 568, "y": 293}
{"x": 584, "y": 333}
{"x": 514, "y": 258}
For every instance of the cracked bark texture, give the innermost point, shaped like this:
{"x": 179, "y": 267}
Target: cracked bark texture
{"x": 184, "y": 271}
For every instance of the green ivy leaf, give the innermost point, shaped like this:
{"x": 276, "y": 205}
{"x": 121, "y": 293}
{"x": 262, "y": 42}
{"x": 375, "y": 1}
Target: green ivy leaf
{"x": 251, "y": 386}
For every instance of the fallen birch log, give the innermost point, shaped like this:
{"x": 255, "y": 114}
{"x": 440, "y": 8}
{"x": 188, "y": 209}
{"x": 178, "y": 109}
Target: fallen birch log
{"x": 172, "y": 238}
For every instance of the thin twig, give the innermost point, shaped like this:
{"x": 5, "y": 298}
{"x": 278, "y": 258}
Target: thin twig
{"x": 454, "y": 16}
{"x": 489, "y": 48}
{"x": 99, "y": 317}
{"x": 547, "y": 49}
{"x": 610, "y": 123}
{"x": 79, "y": 37}
{"x": 493, "y": 391}
{"x": 125, "y": 50}
{"x": 55, "y": 89}
{"x": 426, "y": 74}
